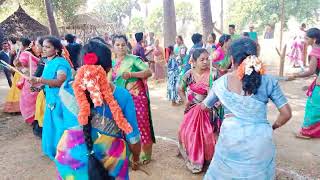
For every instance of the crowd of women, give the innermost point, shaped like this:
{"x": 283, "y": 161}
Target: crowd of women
{"x": 95, "y": 120}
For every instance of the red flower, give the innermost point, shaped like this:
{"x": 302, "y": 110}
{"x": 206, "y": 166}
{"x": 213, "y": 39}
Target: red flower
{"x": 90, "y": 59}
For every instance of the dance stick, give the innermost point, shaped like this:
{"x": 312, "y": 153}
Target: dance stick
{"x": 8, "y": 66}
{"x": 30, "y": 66}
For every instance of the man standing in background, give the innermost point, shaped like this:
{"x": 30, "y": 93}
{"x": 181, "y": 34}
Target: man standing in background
{"x": 5, "y": 56}
{"x": 74, "y": 50}
{"x": 232, "y": 32}
{"x": 252, "y": 34}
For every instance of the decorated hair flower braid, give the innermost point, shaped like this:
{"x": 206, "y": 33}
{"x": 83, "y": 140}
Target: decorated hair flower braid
{"x": 93, "y": 78}
{"x": 250, "y": 64}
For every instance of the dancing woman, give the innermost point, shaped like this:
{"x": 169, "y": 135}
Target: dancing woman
{"x": 57, "y": 70}
{"x": 196, "y": 137}
{"x": 130, "y": 72}
{"x": 311, "y": 124}
{"x": 245, "y": 149}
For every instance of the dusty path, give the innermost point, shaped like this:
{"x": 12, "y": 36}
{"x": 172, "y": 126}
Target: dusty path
{"x": 21, "y": 158}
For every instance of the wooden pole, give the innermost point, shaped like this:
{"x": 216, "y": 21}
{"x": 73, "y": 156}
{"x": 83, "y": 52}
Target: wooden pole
{"x": 282, "y": 54}
{"x": 282, "y": 23}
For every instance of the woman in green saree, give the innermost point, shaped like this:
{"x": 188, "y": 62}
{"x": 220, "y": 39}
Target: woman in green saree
{"x": 130, "y": 72}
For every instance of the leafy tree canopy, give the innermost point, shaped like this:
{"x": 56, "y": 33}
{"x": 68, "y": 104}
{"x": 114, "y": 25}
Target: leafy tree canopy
{"x": 262, "y": 12}
{"x": 154, "y": 22}
{"x": 64, "y": 9}
{"x": 184, "y": 12}
{"x": 115, "y": 11}
{"x": 136, "y": 25}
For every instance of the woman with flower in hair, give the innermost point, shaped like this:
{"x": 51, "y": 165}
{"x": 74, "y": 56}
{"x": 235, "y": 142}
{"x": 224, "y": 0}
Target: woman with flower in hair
{"x": 56, "y": 71}
{"x": 130, "y": 72}
{"x": 102, "y": 130}
{"x": 245, "y": 149}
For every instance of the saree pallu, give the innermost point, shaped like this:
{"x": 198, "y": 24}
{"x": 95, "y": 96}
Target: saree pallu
{"x": 159, "y": 67}
{"x": 173, "y": 80}
{"x": 311, "y": 123}
{"x": 196, "y": 137}
{"x": 141, "y": 102}
{"x": 12, "y": 100}
{"x": 28, "y": 102}
{"x": 72, "y": 160}
{"x": 40, "y": 107}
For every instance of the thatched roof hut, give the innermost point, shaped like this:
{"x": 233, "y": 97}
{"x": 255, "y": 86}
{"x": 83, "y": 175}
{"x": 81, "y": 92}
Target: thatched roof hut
{"x": 20, "y": 24}
{"x": 87, "y": 25}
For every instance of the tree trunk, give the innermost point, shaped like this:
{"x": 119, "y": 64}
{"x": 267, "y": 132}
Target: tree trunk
{"x": 206, "y": 17}
{"x": 221, "y": 15}
{"x": 52, "y": 22}
{"x": 169, "y": 22}
{"x": 2, "y": 1}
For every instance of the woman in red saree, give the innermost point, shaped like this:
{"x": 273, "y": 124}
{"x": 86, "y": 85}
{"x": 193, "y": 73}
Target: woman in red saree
{"x": 196, "y": 135}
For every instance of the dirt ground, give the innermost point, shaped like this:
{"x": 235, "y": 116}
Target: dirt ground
{"x": 21, "y": 157}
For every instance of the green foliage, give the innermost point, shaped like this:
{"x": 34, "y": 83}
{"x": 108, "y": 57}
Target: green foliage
{"x": 262, "y": 12}
{"x": 115, "y": 11}
{"x": 136, "y": 25}
{"x": 184, "y": 12}
{"x": 145, "y": 1}
{"x": 64, "y": 9}
{"x": 154, "y": 21}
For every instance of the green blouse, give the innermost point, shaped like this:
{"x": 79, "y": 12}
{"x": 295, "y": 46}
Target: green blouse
{"x": 130, "y": 63}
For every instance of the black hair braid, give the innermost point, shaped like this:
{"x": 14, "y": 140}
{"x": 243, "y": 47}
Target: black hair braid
{"x": 96, "y": 170}
{"x": 251, "y": 83}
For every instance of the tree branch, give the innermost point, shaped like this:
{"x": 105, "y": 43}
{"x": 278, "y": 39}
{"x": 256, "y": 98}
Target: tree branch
{"x": 2, "y": 1}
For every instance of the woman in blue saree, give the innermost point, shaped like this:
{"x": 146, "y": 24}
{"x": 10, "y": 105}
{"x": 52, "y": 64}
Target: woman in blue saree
{"x": 245, "y": 149}
{"x": 57, "y": 70}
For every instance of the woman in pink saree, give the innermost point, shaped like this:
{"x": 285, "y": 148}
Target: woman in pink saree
{"x": 296, "y": 54}
{"x": 196, "y": 132}
{"x": 28, "y": 62}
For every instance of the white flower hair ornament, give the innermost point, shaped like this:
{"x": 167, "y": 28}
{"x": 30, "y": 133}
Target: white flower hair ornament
{"x": 250, "y": 64}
